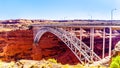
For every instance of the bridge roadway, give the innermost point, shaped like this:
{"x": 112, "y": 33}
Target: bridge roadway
{"x": 79, "y": 48}
{"x": 70, "y": 24}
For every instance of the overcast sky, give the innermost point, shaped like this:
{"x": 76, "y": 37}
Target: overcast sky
{"x": 59, "y": 9}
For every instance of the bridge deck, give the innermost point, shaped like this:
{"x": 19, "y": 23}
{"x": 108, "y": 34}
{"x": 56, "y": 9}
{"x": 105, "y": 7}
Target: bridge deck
{"x": 83, "y": 25}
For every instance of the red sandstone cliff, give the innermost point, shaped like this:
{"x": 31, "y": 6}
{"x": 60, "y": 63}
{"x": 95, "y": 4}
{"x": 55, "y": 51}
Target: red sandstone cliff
{"x": 18, "y": 44}
{"x": 15, "y": 45}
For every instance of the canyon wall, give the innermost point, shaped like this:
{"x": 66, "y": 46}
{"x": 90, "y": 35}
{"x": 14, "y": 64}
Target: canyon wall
{"x": 18, "y": 44}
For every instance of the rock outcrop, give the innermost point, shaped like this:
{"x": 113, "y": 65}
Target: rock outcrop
{"x": 16, "y": 45}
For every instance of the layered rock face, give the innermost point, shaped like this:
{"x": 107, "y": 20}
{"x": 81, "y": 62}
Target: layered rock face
{"x": 16, "y": 45}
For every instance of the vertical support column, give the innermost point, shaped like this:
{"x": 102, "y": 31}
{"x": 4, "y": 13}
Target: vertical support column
{"x": 103, "y": 51}
{"x": 92, "y": 41}
{"x": 74, "y": 31}
{"x": 80, "y": 39}
{"x": 80, "y": 36}
{"x": 110, "y": 40}
{"x": 71, "y": 30}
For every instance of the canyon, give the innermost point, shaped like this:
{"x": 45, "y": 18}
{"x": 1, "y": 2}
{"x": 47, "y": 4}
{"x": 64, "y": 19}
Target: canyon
{"x": 17, "y": 44}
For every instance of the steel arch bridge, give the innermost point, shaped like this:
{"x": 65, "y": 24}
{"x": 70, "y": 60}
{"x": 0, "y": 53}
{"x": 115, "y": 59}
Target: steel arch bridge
{"x": 77, "y": 46}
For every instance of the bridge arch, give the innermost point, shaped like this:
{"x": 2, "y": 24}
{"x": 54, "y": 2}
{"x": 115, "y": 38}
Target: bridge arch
{"x": 80, "y": 50}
